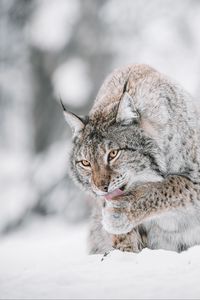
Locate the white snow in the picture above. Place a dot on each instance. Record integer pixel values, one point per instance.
(16, 193)
(47, 259)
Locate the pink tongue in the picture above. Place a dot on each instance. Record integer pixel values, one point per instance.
(115, 193)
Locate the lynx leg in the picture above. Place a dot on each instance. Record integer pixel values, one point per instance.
(133, 241)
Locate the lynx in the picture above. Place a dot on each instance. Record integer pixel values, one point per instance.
(138, 154)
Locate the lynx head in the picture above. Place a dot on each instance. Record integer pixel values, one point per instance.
(112, 152)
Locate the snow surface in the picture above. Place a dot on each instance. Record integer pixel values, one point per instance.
(47, 259)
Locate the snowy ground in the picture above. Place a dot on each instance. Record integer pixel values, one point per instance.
(48, 260)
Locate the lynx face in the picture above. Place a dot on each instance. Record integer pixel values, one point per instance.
(107, 161)
(111, 154)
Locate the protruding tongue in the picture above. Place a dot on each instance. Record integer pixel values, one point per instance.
(115, 193)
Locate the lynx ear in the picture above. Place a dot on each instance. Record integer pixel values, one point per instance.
(74, 121)
(127, 112)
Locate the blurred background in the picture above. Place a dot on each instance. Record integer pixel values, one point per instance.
(63, 48)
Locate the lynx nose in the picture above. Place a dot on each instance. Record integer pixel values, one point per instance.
(105, 188)
(101, 179)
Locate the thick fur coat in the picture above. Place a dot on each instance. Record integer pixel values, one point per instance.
(138, 154)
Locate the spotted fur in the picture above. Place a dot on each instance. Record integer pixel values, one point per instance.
(154, 124)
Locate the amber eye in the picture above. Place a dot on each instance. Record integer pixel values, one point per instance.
(85, 163)
(112, 154)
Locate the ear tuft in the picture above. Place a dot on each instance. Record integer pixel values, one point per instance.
(63, 107)
(74, 121)
(127, 112)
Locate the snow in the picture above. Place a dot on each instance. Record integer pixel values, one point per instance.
(15, 186)
(48, 259)
(54, 160)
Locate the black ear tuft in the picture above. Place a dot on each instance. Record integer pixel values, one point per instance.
(125, 86)
(75, 122)
(62, 105)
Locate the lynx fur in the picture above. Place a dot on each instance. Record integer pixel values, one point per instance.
(138, 154)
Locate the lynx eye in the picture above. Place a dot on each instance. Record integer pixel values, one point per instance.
(85, 163)
(112, 154)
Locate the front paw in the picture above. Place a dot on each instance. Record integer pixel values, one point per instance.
(130, 242)
(123, 213)
(115, 217)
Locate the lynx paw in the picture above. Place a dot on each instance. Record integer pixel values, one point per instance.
(130, 242)
(114, 220)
